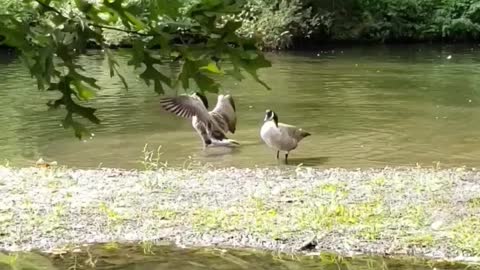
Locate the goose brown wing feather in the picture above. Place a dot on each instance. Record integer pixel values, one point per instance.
(186, 106)
(226, 108)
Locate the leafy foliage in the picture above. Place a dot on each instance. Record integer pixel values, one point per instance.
(398, 20)
(276, 22)
(50, 35)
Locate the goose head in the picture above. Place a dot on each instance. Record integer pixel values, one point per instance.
(271, 116)
(203, 98)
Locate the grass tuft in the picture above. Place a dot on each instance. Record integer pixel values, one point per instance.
(465, 234)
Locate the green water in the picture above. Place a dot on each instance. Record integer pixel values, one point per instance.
(365, 106)
(168, 257)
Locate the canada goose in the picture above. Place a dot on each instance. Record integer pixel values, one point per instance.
(210, 125)
(280, 136)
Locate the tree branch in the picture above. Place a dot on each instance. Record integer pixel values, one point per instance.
(119, 29)
(50, 8)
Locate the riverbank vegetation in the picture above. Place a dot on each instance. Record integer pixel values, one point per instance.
(292, 23)
(397, 20)
(282, 24)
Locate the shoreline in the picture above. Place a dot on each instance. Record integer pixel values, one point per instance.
(425, 213)
(313, 45)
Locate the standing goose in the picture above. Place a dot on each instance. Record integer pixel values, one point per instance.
(280, 136)
(212, 125)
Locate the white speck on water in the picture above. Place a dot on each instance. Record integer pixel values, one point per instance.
(449, 57)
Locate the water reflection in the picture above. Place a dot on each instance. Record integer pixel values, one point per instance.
(147, 257)
(365, 107)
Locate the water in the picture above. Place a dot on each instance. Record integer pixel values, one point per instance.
(146, 257)
(365, 106)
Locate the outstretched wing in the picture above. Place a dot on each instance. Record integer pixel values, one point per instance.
(226, 108)
(186, 106)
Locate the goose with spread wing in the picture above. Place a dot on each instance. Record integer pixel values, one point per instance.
(212, 125)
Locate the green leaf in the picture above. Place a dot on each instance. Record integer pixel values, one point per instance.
(235, 73)
(170, 8)
(206, 84)
(79, 129)
(231, 26)
(138, 54)
(251, 66)
(113, 64)
(161, 40)
(89, 80)
(136, 22)
(157, 86)
(85, 112)
(14, 33)
(212, 68)
(83, 5)
(58, 20)
(188, 69)
(152, 74)
(250, 55)
(124, 14)
(83, 92)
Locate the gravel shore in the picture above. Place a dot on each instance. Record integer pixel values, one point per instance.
(429, 213)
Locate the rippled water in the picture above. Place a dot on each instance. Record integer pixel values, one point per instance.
(147, 257)
(365, 106)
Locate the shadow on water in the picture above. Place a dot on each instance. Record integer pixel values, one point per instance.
(7, 56)
(146, 257)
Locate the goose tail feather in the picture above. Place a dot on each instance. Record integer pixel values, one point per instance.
(304, 133)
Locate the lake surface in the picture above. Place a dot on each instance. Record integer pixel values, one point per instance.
(365, 107)
(147, 257)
